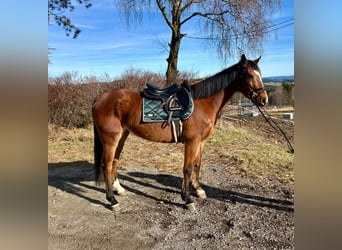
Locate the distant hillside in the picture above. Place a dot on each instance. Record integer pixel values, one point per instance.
(279, 79)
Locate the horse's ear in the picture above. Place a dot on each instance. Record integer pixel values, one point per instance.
(244, 60)
(257, 60)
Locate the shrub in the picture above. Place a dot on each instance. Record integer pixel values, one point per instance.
(70, 96)
(69, 105)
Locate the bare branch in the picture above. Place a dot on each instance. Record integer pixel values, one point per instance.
(189, 4)
(57, 8)
(206, 15)
(230, 26)
(162, 10)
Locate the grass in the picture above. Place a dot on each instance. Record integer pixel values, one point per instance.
(69, 145)
(236, 149)
(249, 155)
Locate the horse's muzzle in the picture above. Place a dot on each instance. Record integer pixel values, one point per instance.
(262, 98)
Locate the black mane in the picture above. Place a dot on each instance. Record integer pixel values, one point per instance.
(215, 83)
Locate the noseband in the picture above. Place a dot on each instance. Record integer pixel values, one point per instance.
(253, 94)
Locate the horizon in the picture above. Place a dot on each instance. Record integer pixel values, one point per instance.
(264, 78)
(107, 46)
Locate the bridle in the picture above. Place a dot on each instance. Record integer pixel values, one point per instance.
(253, 94)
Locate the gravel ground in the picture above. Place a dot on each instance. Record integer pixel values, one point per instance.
(239, 213)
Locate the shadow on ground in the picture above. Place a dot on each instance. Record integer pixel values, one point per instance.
(74, 177)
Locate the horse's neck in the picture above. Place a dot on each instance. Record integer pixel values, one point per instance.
(228, 93)
(217, 102)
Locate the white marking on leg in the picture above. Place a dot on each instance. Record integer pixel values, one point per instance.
(118, 188)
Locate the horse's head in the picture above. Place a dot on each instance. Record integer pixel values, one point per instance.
(252, 85)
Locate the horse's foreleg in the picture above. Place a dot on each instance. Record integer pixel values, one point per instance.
(116, 184)
(185, 194)
(192, 151)
(195, 177)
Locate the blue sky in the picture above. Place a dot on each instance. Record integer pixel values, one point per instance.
(107, 46)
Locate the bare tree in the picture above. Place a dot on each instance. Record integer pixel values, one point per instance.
(288, 89)
(230, 26)
(277, 97)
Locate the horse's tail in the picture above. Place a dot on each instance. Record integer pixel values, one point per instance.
(98, 152)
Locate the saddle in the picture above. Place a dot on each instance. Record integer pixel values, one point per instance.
(167, 104)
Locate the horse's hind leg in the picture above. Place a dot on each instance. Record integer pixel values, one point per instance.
(110, 144)
(116, 184)
(107, 167)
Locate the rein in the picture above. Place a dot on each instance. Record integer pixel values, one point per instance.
(253, 94)
(271, 121)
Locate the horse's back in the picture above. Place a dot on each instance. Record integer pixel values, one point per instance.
(115, 105)
(116, 100)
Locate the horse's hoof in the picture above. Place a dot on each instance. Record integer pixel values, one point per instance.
(190, 206)
(115, 207)
(122, 192)
(201, 194)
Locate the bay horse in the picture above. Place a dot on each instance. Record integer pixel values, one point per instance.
(119, 112)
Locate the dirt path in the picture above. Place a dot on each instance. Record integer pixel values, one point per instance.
(239, 213)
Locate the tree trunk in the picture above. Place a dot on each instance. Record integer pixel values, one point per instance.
(172, 60)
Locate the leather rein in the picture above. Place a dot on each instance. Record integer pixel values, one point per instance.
(253, 94)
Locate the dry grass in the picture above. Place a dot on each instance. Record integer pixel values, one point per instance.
(247, 154)
(69, 145)
(236, 149)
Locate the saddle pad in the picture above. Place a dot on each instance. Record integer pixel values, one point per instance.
(153, 111)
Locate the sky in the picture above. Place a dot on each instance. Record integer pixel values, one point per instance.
(106, 45)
